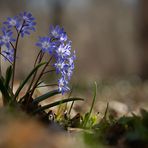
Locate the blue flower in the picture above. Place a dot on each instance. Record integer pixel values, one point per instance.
(25, 30)
(27, 23)
(63, 85)
(6, 38)
(12, 22)
(71, 60)
(46, 45)
(64, 67)
(8, 54)
(58, 46)
(60, 65)
(63, 51)
(69, 69)
(27, 17)
(24, 23)
(58, 33)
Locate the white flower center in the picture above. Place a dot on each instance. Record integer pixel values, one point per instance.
(61, 84)
(25, 18)
(45, 45)
(6, 39)
(59, 65)
(60, 51)
(55, 34)
(13, 22)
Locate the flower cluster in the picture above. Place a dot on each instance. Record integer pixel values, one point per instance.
(24, 23)
(56, 43)
(58, 46)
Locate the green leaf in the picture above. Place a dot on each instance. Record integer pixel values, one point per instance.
(8, 76)
(45, 96)
(26, 80)
(56, 103)
(5, 95)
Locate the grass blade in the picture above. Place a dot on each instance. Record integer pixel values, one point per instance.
(5, 95)
(8, 76)
(87, 116)
(56, 103)
(45, 96)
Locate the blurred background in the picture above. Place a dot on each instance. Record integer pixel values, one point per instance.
(110, 38)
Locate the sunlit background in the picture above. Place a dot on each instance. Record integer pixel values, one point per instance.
(110, 38)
